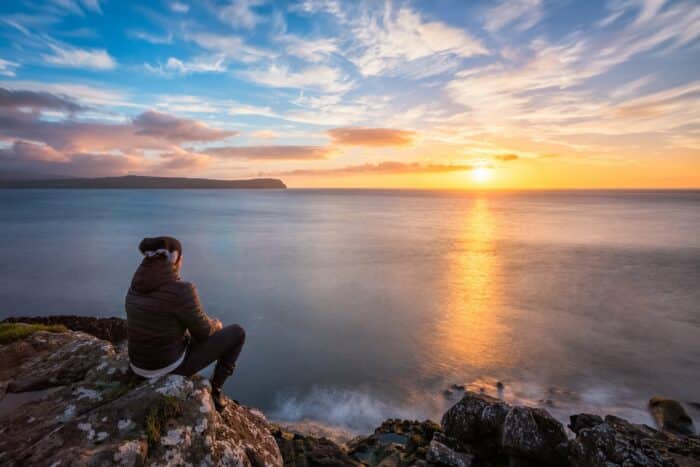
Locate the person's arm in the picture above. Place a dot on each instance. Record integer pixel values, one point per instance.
(193, 316)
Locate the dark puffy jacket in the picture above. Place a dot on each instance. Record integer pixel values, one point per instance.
(160, 309)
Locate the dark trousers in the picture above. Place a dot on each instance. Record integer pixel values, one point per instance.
(222, 347)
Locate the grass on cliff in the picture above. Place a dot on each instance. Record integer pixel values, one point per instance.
(10, 332)
(159, 413)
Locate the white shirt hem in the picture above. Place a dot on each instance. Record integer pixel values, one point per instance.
(150, 374)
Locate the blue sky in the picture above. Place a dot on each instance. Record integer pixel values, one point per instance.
(341, 93)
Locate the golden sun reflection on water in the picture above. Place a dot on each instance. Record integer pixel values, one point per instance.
(471, 333)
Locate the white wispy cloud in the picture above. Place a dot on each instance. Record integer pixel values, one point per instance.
(232, 46)
(389, 39)
(7, 67)
(197, 65)
(631, 88)
(312, 50)
(77, 7)
(321, 77)
(150, 37)
(237, 108)
(520, 89)
(73, 57)
(186, 103)
(519, 14)
(240, 13)
(179, 7)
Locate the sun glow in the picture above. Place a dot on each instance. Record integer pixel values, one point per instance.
(481, 174)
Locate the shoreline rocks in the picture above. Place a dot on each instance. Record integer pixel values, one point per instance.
(70, 397)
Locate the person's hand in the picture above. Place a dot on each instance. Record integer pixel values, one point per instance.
(218, 325)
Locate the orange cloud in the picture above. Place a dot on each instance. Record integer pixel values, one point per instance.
(271, 152)
(506, 157)
(387, 168)
(355, 136)
(181, 160)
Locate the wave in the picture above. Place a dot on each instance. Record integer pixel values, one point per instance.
(361, 410)
(358, 410)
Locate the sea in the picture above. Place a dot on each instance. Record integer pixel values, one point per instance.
(361, 305)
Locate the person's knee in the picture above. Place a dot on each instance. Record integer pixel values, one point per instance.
(236, 333)
(239, 332)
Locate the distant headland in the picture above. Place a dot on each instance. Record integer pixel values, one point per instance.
(143, 182)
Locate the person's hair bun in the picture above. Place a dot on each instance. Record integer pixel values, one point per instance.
(161, 243)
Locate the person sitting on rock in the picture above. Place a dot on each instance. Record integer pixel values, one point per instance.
(168, 331)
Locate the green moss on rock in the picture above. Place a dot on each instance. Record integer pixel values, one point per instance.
(10, 332)
(164, 409)
(122, 385)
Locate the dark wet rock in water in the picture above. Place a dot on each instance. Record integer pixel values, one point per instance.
(440, 453)
(533, 434)
(299, 450)
(584, 420)
(497, 434)
(109, 329)
(395, 442)
(613, 441)
(98, 413)
(669, 415)
(477, 419)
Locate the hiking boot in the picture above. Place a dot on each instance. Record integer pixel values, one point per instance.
(218, 398)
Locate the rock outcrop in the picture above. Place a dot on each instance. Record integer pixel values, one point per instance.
(494, 432)
(487, 432)
(87, 408)
(109, 329)
(612, 441)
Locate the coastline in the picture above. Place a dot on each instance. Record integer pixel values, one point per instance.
(477, 429)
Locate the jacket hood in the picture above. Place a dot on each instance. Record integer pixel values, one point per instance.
(153, 273)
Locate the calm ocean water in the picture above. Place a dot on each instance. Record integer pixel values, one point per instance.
(360, 305)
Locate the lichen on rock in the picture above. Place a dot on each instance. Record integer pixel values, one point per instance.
(98, 413)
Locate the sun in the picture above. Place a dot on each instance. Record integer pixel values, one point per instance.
(481, 174)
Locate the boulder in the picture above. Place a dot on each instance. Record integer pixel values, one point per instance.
(533, 434)
(613, 441)
(477, 421)
(498, 433)
(669, 415)
(93, 411)
(584, 420)
(440, 453)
